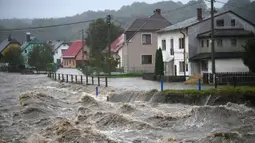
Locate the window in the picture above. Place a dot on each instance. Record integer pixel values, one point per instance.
(146, 39)
(207, 43)
(204, 65)
(233, 42)
(69, 62)
(172, 47)
(181, 64)
(181, 43)
(233, 22)
(63, 50)
(202, 43)
(163, 45)
(219, 42)
(187, 67)
(220, 22)
(146, 59)
(25, 51)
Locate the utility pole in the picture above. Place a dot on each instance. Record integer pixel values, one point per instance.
(212, 39)
(83, 47)
(109, 43)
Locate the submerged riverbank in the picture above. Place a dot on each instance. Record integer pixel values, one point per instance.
(35, 109)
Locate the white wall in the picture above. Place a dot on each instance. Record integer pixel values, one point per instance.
(178, 53)
(228, 65)
(58, 52)
(121, 58)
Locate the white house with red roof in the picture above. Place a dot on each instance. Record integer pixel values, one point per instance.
(73, 56)
(116, 49)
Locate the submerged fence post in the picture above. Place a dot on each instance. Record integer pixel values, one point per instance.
(63, 79)
(107, 98)
(199, 84)
(92, 80)
(58, 76)
(67, 78)
(234, 80)
(55, 76)
(81, 79)
(216, 82)
(96, 91)
(162, 84)
(71, 78)
(87, 79)
(106, 82)
(98, 81)
(76, 79)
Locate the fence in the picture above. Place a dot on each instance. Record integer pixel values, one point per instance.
(233, 78)
(79, 79)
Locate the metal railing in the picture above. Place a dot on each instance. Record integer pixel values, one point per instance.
(79, 79)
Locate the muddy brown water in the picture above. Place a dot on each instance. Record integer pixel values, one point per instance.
(35, 109)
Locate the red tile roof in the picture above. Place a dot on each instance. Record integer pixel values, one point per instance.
(117, 44)
(73, 49)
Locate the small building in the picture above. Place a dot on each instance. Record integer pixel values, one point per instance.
(194, 34)
(73, 56)
(28, 46)
(58, 48)
(8, 43)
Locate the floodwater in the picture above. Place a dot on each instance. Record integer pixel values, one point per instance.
(35, 109)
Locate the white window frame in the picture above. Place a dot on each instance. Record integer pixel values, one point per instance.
(141, 60)
(162, 45)
(142, 38)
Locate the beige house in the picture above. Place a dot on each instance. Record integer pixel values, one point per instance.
(139, 49)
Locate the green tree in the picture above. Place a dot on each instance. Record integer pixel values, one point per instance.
(40, 57)
(159, 64)
(248, 54)
(97, 35)
(13, 56)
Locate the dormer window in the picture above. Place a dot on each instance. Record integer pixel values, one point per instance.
(220, 22)
(233, 22)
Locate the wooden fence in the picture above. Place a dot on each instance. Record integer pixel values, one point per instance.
(79, 79)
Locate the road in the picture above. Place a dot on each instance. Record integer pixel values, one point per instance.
(136, 84)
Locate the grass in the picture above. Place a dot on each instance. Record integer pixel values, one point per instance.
(221, 90)
(127, 75)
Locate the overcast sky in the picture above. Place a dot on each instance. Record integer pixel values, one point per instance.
(60, 8)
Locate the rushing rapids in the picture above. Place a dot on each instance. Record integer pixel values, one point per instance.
(34, 109)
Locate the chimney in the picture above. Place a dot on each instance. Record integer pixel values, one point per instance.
(199, 14)
(28, 36)
(158, 11)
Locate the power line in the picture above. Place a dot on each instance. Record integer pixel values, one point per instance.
(232, 5)
(48, 26)
(151, 19)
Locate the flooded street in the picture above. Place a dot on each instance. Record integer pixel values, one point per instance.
(35, 109)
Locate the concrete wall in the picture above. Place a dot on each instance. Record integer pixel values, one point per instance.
(58, 53)
(178, 53)
(228, 65)
(133, 51)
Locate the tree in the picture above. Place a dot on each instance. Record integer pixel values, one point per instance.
(159, 64)
(12, 55)
(97, 35)
(248, 54)
(40, 57)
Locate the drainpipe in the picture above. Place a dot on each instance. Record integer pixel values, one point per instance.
(184, 53)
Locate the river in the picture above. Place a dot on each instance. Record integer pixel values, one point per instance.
(35, 109)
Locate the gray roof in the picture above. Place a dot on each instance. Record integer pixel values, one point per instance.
(33, 41)
(6, 42)
(191, 21)
(153, 23)
(57, 44)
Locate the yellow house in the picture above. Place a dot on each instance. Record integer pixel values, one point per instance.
(7, 44)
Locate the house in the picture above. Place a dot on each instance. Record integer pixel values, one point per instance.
(73, 56)
(7, 44)
(58, 48)
(138, 52)
(116, 49)
(231, 32)
(28, 46)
